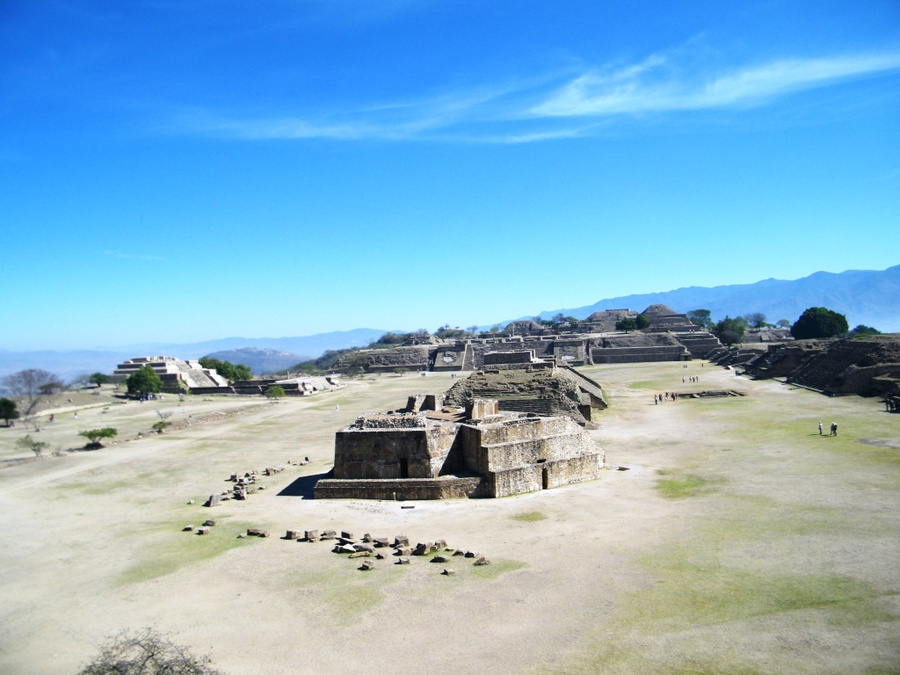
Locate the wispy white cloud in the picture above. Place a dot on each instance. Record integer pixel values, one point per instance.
(544, 109)
(659, 85)
(121, 255)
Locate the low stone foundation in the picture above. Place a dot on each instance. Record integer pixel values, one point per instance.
(445, 487)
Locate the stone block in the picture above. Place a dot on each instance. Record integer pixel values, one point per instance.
(401, 540)
(329, 534)
(367, 565)
(213, 500)
(481, 561)
(292, 534)
(311, 535)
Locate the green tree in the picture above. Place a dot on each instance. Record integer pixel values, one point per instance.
(97, 435)
(144, 381)
(626, 325)
(99, 378)
(37, 447)
(819, 322)
(700, 317)
(862, 330)
(8, 410)
(233, 372)
(641, 321)
(160, 426)
(275, 391)
(783, 323)
(730, 331)
(756, 319)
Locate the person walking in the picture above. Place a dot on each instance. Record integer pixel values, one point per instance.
(820, 428)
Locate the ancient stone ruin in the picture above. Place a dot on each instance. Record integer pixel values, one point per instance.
(176, 375)
(429, 451)
(544, 391)
(668, 337)
(867, 366)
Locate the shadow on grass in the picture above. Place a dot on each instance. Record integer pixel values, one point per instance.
(303, 486)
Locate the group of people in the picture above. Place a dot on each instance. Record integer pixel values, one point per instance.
(668, 396)
(832, 429)
(692, 378)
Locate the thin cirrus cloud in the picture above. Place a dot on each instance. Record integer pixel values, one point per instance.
(656, 85)
(538, 110)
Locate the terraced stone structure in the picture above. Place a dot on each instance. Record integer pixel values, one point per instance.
(427, 451)
(867, 366)
(176, 375)
(669, 337)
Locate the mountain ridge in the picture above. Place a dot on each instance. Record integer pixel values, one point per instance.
(864, 296)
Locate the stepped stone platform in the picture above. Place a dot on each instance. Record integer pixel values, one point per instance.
(176, 375)
(478, 451)
(867, 366)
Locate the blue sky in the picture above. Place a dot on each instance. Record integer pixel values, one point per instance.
(180, 171)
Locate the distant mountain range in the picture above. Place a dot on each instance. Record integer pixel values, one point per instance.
(70, 364)
(261, 361)
(864, 297)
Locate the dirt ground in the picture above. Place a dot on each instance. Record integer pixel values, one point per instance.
(738, 540)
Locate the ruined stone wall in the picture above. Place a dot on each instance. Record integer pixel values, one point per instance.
(411, 358)
(401, 490)
(493, 358)
(541, 348)
(848, 366)
(490, 448)
(570, 352)
(574, 469)
(700, 343)
(517, 480)
(383, 453)
(639, 354)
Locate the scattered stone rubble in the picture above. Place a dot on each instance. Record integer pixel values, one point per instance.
(245, 484)
(435, 551)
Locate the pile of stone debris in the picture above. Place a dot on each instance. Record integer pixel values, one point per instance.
(380, 547)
